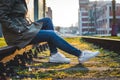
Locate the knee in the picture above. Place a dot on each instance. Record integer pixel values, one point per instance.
(47, 19)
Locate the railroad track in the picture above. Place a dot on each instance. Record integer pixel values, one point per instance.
(108, 44)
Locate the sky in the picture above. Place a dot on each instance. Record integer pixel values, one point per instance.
(65, 12)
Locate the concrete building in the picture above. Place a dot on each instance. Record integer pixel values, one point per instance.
(104, 17)
(36, 9)
(95, 17)
(83, 18)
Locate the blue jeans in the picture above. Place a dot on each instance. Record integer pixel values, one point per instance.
(47, 34)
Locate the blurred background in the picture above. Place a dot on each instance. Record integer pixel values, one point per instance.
(78, 17)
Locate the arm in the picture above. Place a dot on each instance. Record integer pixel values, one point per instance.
(5, 9)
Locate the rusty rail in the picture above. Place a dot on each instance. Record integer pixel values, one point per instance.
(109, 44)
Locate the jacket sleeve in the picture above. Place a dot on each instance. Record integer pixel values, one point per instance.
(5, 9)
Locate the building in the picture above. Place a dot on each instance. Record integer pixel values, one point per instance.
(104, 17)
(83, 18)
(95, 17)
(69, 30)
(36, 9)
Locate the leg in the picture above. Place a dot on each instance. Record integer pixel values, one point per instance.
(47, 24)
(53, 39)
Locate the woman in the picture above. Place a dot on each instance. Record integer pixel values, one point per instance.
(18, 31)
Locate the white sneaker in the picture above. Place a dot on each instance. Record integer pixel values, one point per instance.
(59, 58)
(86, 55)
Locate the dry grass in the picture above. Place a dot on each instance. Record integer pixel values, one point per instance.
(50, 71)
(2, 42)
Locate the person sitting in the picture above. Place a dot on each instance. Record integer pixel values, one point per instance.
(19, 31)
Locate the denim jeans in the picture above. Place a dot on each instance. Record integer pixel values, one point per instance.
(47, 34)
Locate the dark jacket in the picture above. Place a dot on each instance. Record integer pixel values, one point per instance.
(17, 30)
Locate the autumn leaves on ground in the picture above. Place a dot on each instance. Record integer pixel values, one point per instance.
(105, 65)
